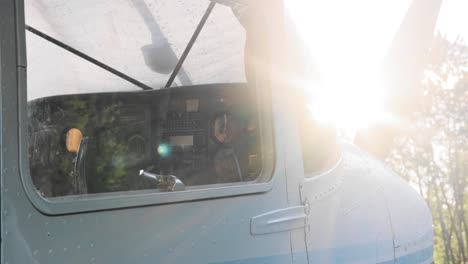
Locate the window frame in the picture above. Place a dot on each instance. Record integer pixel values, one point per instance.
(118, 200)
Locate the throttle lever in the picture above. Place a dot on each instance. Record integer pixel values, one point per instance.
(171, 182)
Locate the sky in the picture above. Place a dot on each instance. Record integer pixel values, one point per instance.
(348, 40)
(453, 20)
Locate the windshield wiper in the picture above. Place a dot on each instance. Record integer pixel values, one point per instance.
(190, 44)
(88, 58)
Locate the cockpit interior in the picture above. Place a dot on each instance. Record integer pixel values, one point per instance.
(109, 142)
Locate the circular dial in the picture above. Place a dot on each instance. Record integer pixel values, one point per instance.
(136, 149)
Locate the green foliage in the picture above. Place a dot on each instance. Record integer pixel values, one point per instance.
(433, 156)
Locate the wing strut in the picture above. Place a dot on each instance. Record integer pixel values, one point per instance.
(190, 44)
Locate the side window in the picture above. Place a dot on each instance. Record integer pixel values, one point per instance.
(318, 141)
(101, 118)
(319, 144)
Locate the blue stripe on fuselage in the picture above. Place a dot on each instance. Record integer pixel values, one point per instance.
(416, 257)
(342, 256)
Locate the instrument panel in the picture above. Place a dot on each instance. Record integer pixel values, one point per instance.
(201, 134)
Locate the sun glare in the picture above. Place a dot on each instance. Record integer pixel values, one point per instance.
(348, 107)
(348, 40)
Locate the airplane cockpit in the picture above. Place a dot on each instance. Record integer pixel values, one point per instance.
(202, 135)
(175, 114)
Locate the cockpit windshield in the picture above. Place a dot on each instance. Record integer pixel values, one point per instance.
(141, 39)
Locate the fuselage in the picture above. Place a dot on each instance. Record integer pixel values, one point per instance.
(258, 205)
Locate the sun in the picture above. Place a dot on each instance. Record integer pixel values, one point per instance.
(348, 105)
(348, 40)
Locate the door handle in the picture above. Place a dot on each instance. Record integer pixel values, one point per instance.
(286, 219)
(279, 220)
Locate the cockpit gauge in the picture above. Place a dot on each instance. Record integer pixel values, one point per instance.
(136, 148)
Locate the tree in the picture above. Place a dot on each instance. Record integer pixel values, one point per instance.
(433, 156)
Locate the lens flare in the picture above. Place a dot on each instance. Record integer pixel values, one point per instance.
(348, 44)
(164, 150)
